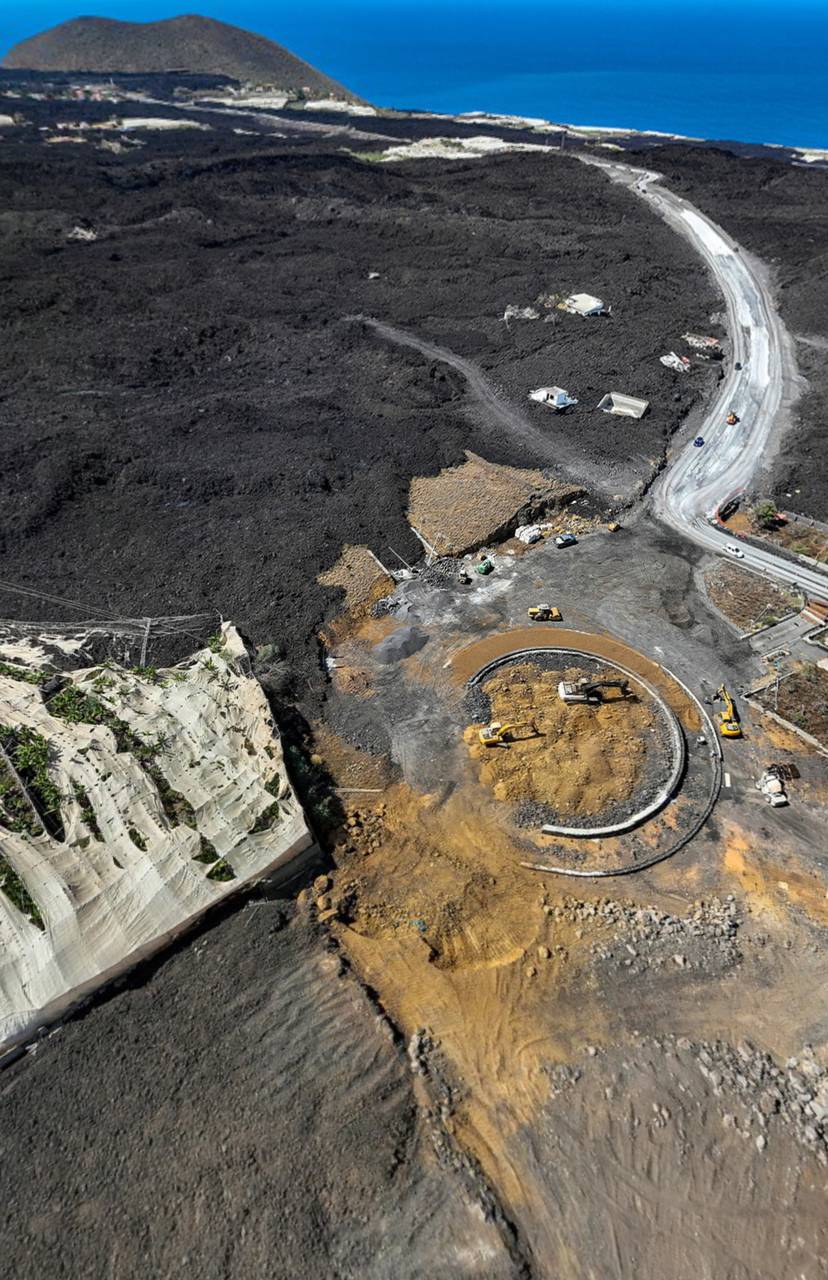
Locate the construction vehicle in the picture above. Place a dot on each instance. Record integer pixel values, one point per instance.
(729, 726)
(613, 526)
(543, 613)
(486, 565)
(586, 690)
(500, 735)
(731, 419)
(771, 786)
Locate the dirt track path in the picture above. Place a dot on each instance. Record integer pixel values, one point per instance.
(501, 415)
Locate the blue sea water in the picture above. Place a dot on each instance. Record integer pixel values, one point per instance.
(751, 70)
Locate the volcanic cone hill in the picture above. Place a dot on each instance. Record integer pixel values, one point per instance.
(187, 43)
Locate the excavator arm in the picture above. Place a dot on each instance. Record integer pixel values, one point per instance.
(584, 690)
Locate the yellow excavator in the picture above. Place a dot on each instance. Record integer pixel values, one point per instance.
(543, 613)
(729, 726)
(500, 735)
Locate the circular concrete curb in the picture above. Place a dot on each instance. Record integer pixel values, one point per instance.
(676, 736)
(715, 759)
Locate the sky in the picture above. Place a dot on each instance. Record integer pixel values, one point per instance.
(756, 65)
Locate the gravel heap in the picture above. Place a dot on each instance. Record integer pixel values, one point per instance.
(761, 1093)
(644, 937)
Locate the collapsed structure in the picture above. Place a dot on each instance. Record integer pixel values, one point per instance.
(671, 360)
(553, 397)
(623, 406)
(130, 803)
(585, 304)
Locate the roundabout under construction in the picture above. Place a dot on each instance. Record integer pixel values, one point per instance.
(587, 757)
(601, 758)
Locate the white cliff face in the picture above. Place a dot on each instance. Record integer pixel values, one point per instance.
(126, 876)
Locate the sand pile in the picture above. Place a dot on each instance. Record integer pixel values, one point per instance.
(579, 759)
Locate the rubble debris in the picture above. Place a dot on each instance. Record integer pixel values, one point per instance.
(555, 398)
(772, 787)
(707, 346)
(622, 405)
(706, 938)
(681, 364)
(528, 533)
(513, 312)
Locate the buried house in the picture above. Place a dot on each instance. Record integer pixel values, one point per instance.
(585, 304)
(623, 406)
(553, 397)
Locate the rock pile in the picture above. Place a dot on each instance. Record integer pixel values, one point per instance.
(363, 832)
(795, 1094)
(645, 937)
(755, 1093)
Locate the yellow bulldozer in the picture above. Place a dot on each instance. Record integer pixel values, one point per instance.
(500, 735)
(543, 613)
(728, 718)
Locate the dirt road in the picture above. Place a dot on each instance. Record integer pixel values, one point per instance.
(500, 414)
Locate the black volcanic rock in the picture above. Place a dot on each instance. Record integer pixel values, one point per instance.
(187, 43)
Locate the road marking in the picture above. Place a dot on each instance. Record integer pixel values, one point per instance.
(727, 780)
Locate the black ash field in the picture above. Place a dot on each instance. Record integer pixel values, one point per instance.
(191, 418)
(195, 413)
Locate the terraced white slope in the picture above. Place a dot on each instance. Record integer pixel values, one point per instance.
(105, 900)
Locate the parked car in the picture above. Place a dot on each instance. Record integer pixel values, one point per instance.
(565, 540)
(733, 550)
(698, 442)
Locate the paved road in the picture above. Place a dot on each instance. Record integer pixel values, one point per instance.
(700, 480)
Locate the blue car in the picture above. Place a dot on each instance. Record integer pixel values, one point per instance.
(698, 442)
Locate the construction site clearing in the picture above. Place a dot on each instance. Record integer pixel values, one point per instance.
(575, 762)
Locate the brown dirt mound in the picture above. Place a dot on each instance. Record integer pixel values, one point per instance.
(360, 577)
(579, 758)
(466, 506)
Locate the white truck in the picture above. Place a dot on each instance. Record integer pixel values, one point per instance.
(772, 788)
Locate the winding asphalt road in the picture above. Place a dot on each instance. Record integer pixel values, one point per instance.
(699, 481)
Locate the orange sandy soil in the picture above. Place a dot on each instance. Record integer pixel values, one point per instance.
(430, 906)
(578, 758)
(470, 659)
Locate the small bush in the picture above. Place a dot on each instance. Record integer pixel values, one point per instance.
(87, 812)
(207, 852)
(26, 674)
(17, 893)
(221, 870)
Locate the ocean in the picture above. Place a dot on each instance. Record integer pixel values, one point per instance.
(748, 70)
